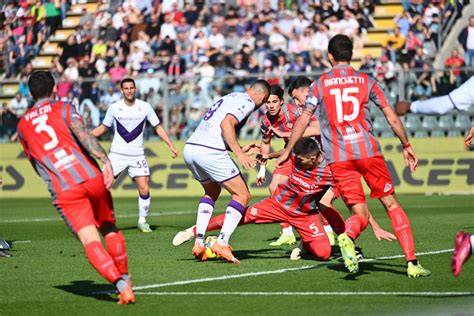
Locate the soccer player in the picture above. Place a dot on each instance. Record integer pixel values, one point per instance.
(463, 248)
(129, 116)
(206, 156)
(280, 118)
(460, 99)
(59, 147)
(294, 202)
(340, 98)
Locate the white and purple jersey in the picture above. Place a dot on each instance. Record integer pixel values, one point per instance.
(209, 132)
(129, 123)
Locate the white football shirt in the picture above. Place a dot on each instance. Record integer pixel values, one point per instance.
(129, 123)
(209, 132)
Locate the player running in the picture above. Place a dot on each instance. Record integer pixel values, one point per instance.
(294, 202)
(129, 116)
(463, 248)
(205, 154)
(340, 98)
(60, 148)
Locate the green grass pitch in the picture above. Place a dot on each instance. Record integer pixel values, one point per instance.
(49, 274)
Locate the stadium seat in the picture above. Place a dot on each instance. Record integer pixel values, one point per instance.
(420, 134)
(446, 122)
(412, 122)
(429, 123)
(380, 124)
(437, 133)
(462, 122)
(454, 133)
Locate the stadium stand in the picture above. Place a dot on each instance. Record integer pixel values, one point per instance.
(185, 54)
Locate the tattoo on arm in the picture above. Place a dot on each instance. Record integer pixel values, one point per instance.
(89, 142)
(309, 109)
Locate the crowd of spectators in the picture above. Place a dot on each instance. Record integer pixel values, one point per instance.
(189, 53)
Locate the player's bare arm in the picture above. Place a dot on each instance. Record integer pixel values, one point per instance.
(469, 136)
(160, 131)
(296, 133)
(228, 125)
(396, 124)
(92, 145)
(251, 149)
(99, 130)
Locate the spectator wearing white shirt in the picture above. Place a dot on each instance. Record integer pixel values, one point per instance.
(18, 105)
(72, 70)
(300, 24)
(167, 28)
(348, 25)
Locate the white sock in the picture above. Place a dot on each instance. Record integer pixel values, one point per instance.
(233, 214)
(143, 207)
(328, 229)
(472, 243)
(288, 231)
(204, 214)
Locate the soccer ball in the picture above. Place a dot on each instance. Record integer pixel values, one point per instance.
(210, 240)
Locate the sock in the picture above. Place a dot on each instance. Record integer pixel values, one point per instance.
(143, 207)
(117, 250)
(334, 218)
(355, 225)
(233, 214)
(286, 229)
(102, 261)
(472, 243)
(402, 228)
(204, 214)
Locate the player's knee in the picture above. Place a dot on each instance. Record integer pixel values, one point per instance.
(322, 251)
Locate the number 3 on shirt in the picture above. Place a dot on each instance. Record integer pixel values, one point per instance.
(344, 96)
(41, 126)
(213, 110)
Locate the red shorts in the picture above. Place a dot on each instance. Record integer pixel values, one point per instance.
(347, 174)
(88, 203)
(285, 169)
(269, 211)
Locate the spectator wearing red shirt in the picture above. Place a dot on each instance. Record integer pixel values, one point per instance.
(455, 62)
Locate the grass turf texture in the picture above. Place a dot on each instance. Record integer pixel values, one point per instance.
(50, 274)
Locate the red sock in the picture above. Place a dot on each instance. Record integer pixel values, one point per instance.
(101, 261)
(355, 225)
(117, 250)
(334, 218)
(321, 249)
(401, 226)
(324, 220)
(284, 225)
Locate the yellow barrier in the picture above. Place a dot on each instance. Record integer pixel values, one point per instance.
(445, 167)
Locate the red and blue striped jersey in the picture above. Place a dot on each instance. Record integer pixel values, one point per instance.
(341, 98)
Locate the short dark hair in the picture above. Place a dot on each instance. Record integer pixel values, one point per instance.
(306, 147)
(41, 84)
(340, 47)
(300, 82)
(277, 90)
(261, 85)
(125, 80)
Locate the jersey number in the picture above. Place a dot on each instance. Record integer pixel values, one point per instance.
(213, 109)
(344, 96)
(41, 126)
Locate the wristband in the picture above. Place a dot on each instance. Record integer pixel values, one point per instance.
(406, 146)
(261, 172)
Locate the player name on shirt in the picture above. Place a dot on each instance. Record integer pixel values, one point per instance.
(344, 80)
(35, 113)
(304, 186)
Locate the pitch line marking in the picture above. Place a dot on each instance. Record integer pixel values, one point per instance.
(253, 274)
(424, 294)
(56, 219)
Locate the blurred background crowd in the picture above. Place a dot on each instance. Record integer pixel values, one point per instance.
(186, 54)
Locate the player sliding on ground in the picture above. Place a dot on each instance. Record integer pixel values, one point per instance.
(294, 202)
(340, 98)
(206, 156)
(59, 147)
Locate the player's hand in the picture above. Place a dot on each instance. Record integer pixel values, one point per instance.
(279, 133)
(382, 234)
(468, 139)
(247, 162)
(410, 158)
(251, 149)
(283, 157)
(108, 174)
(174, 151)
(261, 176)
(402, 107)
